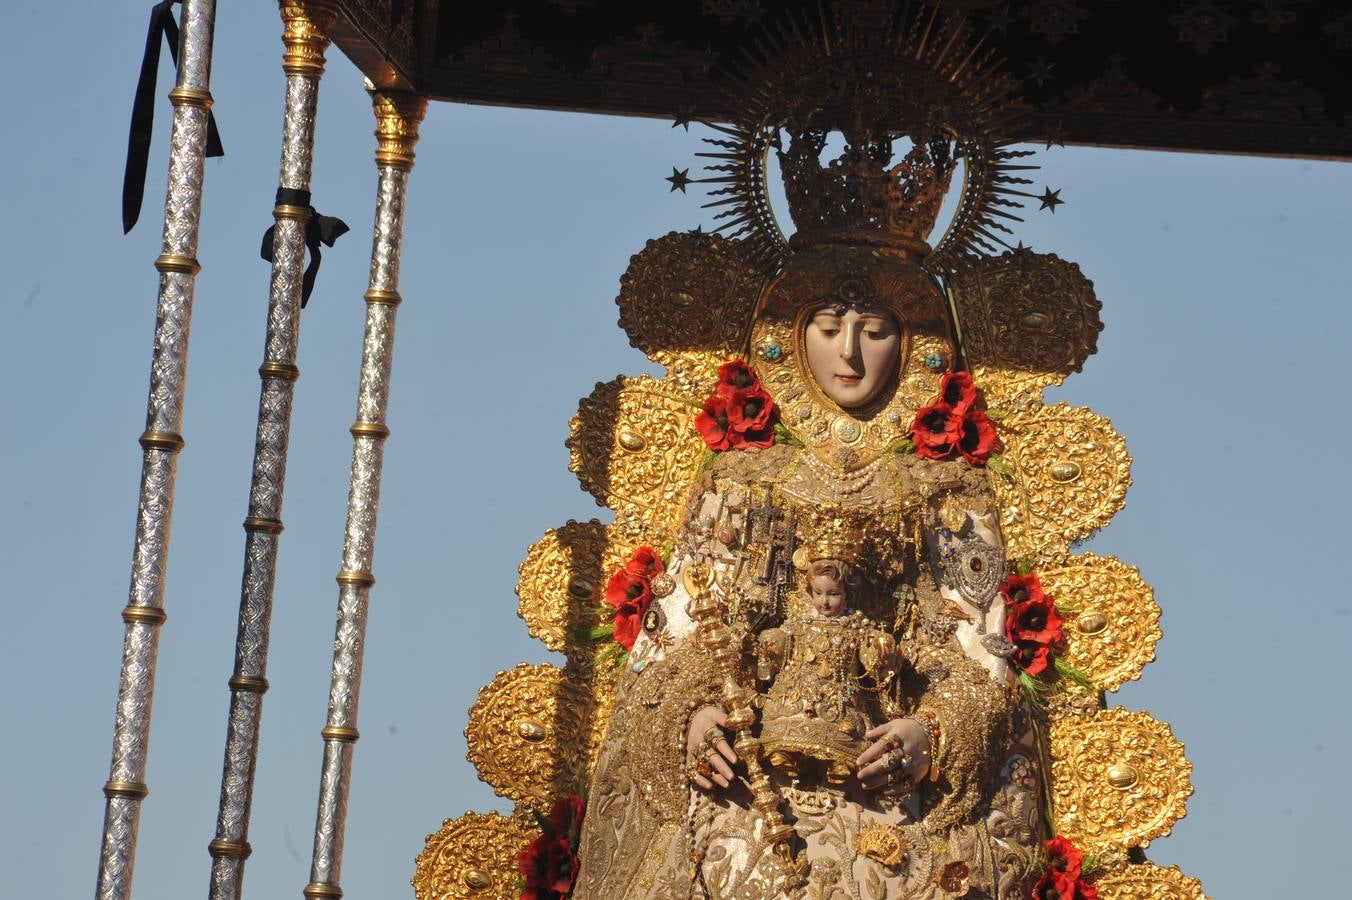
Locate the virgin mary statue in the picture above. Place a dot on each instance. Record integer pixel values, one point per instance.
(819, 653)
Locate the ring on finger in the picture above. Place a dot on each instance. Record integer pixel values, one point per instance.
(893, 742)
(893, 760)
(712, 735)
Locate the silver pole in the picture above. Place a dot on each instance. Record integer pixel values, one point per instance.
(304, 27)
(161, 441)
(397, 119)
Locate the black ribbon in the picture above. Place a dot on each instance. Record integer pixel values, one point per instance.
(319, 229)
(143, 113)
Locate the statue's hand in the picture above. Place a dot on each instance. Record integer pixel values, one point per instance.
(898, 758)
(707, 750)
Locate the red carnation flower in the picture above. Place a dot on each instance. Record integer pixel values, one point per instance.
(1034, 621)
(750, 410)
(645, 563)
(1063, 857)
(1055, 885)
(1031, 657)
(978, 439)
(628, 624)
(958, 392)
(1019, 588)
(566, 816)
(548, 866)
(713, 425)
(740, 413)
(936, 431)
(735, 376)
(627, 589)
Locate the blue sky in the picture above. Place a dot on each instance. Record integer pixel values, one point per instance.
(1223, 363)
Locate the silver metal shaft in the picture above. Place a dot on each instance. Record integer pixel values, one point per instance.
(304, 27)
(397, 119)
(161, 441)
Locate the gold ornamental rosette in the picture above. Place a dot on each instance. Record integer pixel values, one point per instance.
(690, 301)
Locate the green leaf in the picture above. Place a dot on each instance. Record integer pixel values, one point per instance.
(706, 461)
(997, 415)
(996, 463)
(903, 446)
(1070, 673)
(1035, 689)
(1024, 566)
(602, 631)
(784, 436)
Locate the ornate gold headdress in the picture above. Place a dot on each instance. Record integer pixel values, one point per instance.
(881, 80)
(908, 97)
(832, 534)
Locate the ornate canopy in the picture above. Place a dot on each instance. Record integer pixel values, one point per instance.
(1200, 75)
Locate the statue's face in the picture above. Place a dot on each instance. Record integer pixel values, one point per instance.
(828, 595)
(852, 352)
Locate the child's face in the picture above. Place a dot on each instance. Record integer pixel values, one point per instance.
(828, 595)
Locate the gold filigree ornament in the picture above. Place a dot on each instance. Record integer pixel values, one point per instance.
(472, 858)
(883, 843)
(634, 446)
(533, 730)
(1070, 471)
(562, 581)
(686, 301)
(1112, 622)
(1028, 320)
(1147, 881)
(1119, 779)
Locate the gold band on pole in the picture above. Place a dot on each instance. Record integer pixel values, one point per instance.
(144, 611)
(305, 24)
(397, 119)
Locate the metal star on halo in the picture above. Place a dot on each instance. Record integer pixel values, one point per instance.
(1000, 18)
(1056, 137)
(679, 178)
(1051, 199)
(683, 118)
(1040, 70)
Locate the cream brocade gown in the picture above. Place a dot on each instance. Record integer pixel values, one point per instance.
(649, 834)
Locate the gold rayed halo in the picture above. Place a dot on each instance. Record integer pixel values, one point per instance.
(959, 98)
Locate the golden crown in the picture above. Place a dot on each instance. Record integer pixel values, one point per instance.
(863, 195)
(831, 535)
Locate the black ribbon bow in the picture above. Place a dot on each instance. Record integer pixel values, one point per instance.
(143, 113)
(319, 229)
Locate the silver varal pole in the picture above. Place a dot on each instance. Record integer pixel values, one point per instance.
(397, 118)
(144, 614)
(304, 27)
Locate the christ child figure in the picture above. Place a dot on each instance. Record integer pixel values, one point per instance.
(824, 667)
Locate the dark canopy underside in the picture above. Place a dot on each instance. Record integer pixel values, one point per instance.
(1245, 76)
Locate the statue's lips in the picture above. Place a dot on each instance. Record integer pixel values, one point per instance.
(849, 379)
